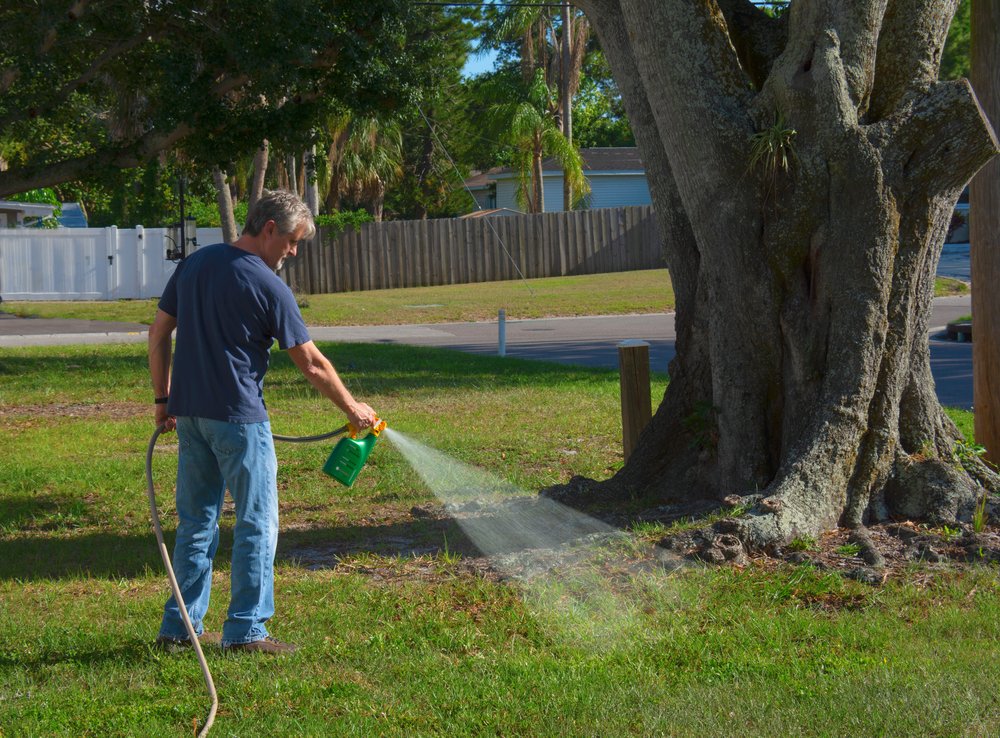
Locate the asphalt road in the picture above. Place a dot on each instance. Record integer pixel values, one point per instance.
(588, 341)
(955, 262)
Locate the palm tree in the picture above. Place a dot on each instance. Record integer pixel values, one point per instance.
(364, 158)
(337, 131)
(557, 52)
(533, 134)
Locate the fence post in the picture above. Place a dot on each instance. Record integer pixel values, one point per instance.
(633, 366)
(111, 286)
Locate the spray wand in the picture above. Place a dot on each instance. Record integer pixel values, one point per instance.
(344, 464)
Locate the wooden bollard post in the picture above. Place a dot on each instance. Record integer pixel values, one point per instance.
(633, 365)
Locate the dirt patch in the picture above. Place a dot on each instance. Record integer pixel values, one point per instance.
(871, 556)
(429, 543)
(109, 410)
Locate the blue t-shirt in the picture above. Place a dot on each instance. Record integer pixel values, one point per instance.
(229, 307)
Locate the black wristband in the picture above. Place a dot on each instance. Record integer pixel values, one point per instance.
(160, 400)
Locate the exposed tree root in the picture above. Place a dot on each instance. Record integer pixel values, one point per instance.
(869, 553)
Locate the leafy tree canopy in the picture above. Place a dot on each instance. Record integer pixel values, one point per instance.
(598, 112)
(956, 59)
(110, 84)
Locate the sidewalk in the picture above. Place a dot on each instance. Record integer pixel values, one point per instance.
(587, 341)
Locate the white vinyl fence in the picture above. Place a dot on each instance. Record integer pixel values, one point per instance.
(87, 263)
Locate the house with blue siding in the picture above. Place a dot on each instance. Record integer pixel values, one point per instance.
(616, 175)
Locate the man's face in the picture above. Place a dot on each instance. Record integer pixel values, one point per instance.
(278, 246)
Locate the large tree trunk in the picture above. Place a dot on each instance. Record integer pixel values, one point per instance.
(805, 169)
(985, 235)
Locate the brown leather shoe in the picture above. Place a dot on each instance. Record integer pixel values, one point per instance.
(268, 645)
(171, 645)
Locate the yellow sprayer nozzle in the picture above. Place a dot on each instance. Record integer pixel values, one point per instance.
(377, 428)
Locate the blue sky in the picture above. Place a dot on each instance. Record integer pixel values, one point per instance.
(479, 63)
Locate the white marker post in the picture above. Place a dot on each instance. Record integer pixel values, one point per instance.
(502, 335)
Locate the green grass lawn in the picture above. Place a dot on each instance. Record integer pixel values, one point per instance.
(401, 634)
(647, 291)
(621, 293)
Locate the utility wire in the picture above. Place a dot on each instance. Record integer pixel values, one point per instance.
(478, 206)
(485, 4)
(488, 4)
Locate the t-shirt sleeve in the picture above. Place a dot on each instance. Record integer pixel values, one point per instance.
(168, 300)
(288, 329)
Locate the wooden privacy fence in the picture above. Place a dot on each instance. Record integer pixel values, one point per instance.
(419, 253)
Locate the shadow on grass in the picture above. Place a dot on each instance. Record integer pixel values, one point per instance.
(510, 528)
(43, 511)
(101, 555)
(116, 556)
(131, 652)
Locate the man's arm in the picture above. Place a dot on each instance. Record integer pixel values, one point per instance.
(321, 375)
(160, 349)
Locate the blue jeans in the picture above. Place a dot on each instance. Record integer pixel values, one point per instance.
(215, 455)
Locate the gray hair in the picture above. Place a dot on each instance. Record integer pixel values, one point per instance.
(285, 208)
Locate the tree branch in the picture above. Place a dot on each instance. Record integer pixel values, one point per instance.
(62, 95)
(909, 51)
(606, 18)
(944, 138)
(829, 44)
(858, 23)
(131, 155)
(697, 90)
(690, 370)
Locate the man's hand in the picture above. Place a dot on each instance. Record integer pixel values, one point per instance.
(169, 422)
(361, 416)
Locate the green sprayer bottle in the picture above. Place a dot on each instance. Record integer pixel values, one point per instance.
(351, 453)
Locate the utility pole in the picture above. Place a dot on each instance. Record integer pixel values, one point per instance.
(984, 235)
(567, 102)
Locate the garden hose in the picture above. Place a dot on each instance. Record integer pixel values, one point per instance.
(209, 684)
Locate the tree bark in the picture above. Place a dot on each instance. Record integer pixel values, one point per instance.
(293, 179)
(225, 202)
(377, 199)
(984, 236)
(806, 187)
(311, 189)
(259, 172)
(537, 178)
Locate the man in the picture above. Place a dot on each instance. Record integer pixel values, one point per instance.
(228, 306)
